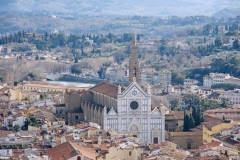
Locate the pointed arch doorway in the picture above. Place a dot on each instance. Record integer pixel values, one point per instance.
(135, 131)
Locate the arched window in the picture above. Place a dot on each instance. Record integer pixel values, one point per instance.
(78, 158)
(76, 117)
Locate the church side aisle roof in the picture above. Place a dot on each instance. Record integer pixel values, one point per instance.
(107, 89)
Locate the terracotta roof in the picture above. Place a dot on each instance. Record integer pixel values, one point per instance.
(104, 148)
(4, 89)
(5, 133)
(86, 152)
(170, 117)
(231, 110)
(62, 151)
(107, 89)
(229, 140)
(93, 128)
(45, 85)
(68, 150)
(234, 117)
(210, 119)
(210, 145)
(180, 114)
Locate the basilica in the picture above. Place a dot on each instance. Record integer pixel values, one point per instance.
(126, 110)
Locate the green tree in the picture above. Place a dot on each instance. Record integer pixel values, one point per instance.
(36, 58)
(223, 118)
(186, 123)
(199, 117)
(225, 102)
(42, 58)
(216, 29)
(16, 83)
(226, 27)
(42, 96)
(174, 104)
(192, 100)
(31, 75)
(33, 121)
(138, 37)
(26, 99)
(218, 42)
(194, 113)
(16, 128)
(236, 44)
(75, 60)
(191, 122)
(76, 69)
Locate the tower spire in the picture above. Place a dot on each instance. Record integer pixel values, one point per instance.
(134, 68)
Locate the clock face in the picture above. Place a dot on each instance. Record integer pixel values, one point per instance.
(134, 105)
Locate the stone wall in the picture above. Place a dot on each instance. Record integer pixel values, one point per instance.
(185, 140)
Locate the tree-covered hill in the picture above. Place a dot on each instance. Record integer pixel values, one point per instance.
(119, 7)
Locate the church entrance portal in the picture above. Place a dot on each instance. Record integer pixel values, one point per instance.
(155, 140)
(134, 131)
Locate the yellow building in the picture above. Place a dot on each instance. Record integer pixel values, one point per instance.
(42, 87)
(213, 126)
(28, 111)
(15, 94)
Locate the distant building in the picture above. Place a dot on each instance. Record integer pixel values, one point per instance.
(165, 77)
(7, 76)
(128, 111)
(218, 78)
(190, 82)
(7, 50)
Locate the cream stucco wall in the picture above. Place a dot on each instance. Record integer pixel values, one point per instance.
(208, 132)
(126, 154)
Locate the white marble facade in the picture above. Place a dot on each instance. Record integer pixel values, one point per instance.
(135, 116)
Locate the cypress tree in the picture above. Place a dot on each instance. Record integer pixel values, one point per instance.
(198, 117)
(194, 113)
(186, 123)
(191, 122)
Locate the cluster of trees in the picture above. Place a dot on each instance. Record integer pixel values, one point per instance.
(194, 100)
(206, 50)
(52, 40)
(176, 78)
(229, 65)
(232, 27)
(164, 49)
(18, 37)
(198, 73)
(76, 69)
(192, 120)
(175, 20)
(29, 122)
(210, 29)
(198, 106)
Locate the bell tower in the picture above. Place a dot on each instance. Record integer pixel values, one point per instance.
(134, 68)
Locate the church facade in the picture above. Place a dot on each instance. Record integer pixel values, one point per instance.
(128, 111)
(135, 116)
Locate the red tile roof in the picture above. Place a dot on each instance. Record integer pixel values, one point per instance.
(68, 150)
(107, 89)
(210, 145)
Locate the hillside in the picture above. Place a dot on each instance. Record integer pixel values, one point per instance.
(119, 7)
